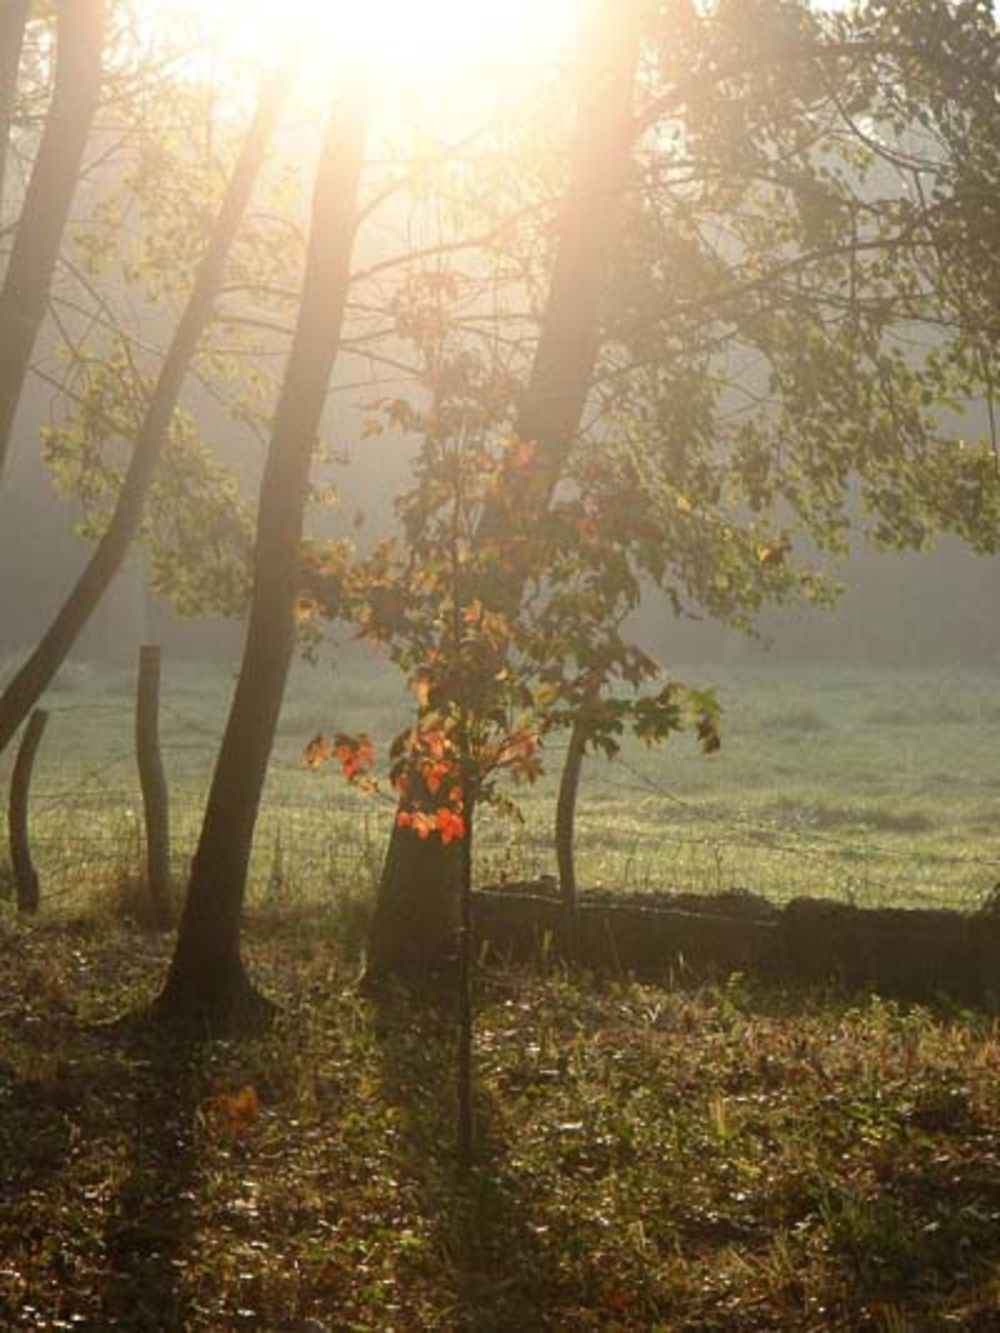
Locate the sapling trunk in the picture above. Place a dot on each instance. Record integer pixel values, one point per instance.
(466, 1015)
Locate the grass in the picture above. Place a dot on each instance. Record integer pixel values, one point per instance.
(871, 787)
(651, 1158)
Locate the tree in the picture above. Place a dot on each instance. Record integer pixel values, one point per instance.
(489, 684)
(754, 360)
(416, 911)
(29, 683)
(53, 182)
(207, 988)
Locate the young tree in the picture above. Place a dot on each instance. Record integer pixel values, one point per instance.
(490, 683)
(207, 988)
(29, 683)
(51, 187)
(781, 327)
(415, 919)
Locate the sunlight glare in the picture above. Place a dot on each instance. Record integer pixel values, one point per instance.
(409, 41)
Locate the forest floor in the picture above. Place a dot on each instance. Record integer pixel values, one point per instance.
(722, 1158)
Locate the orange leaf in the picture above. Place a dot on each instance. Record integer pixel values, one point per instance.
(421, 824)
(317, 751)
(450, 825)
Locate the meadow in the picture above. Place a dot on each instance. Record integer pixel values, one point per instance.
(870, 787)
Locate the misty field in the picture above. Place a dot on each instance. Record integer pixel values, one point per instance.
(873, 787)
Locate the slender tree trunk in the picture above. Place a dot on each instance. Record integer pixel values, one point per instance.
(27, 686)
(25, 875)
(207, 987)
(569, 786)
(153, 782)
(53, 182)
(566, 802)
(13, 21)
(413, 927)
(466, 1012)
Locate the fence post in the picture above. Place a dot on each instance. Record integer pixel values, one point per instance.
(25, 875)
(154, 784)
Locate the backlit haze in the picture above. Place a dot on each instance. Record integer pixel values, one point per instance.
(437, 45)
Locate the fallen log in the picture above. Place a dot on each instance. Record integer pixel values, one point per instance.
(916, 954)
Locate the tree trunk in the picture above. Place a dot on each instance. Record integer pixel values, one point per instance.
(207, 988)
(13, 21)
(54, 177)
(25, 875)
(153, 782)
(30, 682)
(413, 928)
(569, 788)
(466, 1010)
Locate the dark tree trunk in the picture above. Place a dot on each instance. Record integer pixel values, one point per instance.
(26, 688)
(466, 1011)
(13, 21)
(207, 988)
(569, 787)
(413, 928)
(25, 875)
(54, 177)
(153, 781)
(566, 803)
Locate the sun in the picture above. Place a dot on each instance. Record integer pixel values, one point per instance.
(413, 43)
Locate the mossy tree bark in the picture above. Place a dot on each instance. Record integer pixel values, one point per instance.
(51, 187)
(207, 988)
(417, 910)
(27, 686)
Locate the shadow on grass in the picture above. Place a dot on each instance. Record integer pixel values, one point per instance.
(150, 1218)
(502, 1277)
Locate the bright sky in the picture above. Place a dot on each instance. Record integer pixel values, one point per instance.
(417, 42)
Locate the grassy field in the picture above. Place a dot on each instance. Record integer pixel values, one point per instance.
(865, 786)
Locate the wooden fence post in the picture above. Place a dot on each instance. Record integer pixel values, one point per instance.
(25, 875)
(154, 784)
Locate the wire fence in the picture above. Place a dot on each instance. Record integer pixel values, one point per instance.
(317, 837)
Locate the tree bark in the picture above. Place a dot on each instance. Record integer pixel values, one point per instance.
(466, 1010)
(25, 875)
(51, 187)
(207, 988)
(13, 22)
(27, 686)
(153, 782)
(414, 924)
